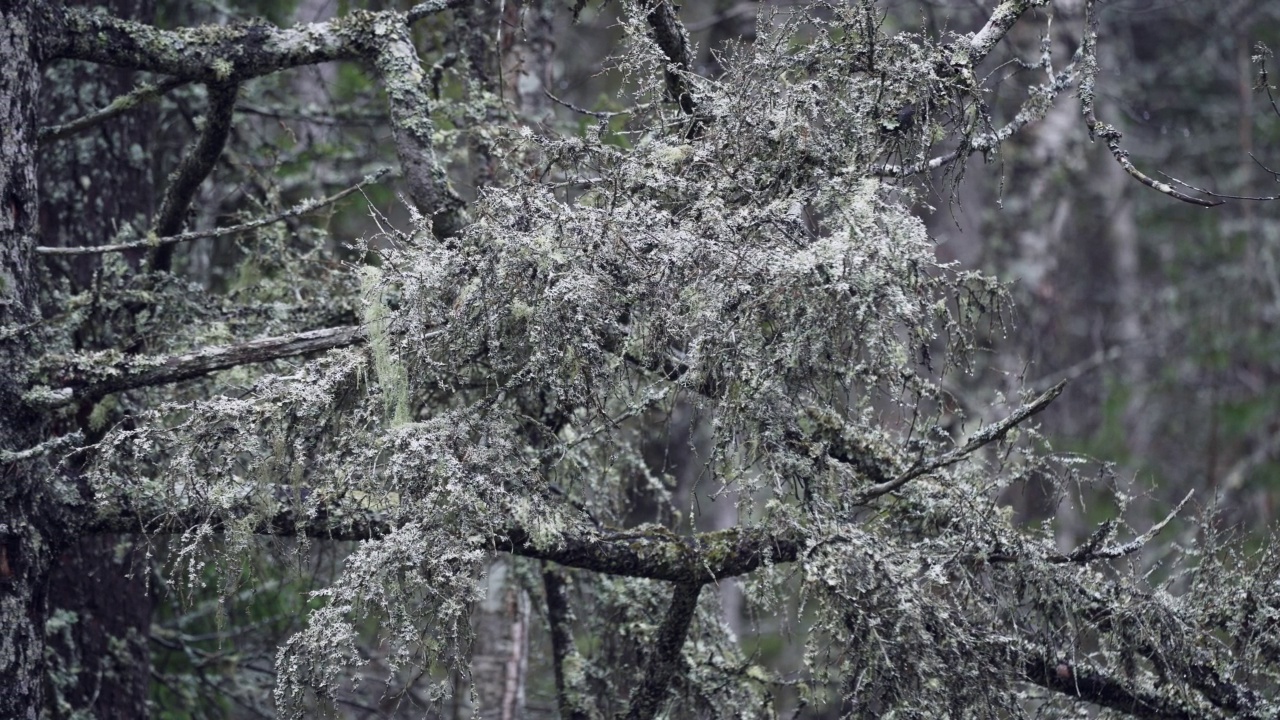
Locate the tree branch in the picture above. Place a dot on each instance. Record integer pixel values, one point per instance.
(195, 167)
(1094, 686)
(985, 436)
(122, 104)
(302, 208)
(1108, 133)
(80, 385)
(664, 659)
(563, 650)
(1033, 109)
(408, 94)
(998, 25)
(214, 54)
(689, 560)
(671, 37)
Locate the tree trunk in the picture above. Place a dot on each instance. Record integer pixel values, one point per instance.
(27, 545)
(96, 184)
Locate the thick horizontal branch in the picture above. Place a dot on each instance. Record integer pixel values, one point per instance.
(655, 555)
(214, 54)
(79, 385)
(1099, 688)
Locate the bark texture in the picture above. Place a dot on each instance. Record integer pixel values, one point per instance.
(26, 545)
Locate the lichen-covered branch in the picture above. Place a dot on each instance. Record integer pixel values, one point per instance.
(1033, 110)
(672, 38)
(983, 437)
(120, 105)
(1108, 133)
(997, 26)
(1101, 688)
(91, 378)
(213, 54)
(408, 94)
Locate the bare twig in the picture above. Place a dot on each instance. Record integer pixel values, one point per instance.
(122, 104)
(1210, 193)
(303, 208)
(597, 114)
(983, 437)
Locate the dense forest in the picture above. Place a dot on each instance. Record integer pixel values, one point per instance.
(617, 358)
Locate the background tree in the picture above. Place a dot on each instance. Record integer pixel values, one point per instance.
(725, 268)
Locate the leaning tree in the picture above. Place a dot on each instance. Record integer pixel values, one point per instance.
(733, 256)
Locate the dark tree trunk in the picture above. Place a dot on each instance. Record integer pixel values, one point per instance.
(27, 516)
(97, 184)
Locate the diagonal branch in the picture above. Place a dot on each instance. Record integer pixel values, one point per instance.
(983, 437)
(302, 208)
(193, 169)
(1002, 19)
(1093, 549)
(664, 659)
(137, 372)
(120, 105)
(1033, 110)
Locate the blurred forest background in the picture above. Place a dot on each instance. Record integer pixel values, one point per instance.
(1166, 316)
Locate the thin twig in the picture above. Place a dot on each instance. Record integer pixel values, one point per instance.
(1108, 133)
(122, 104)
(1090, 550)
(985, 436)
(302, 208)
